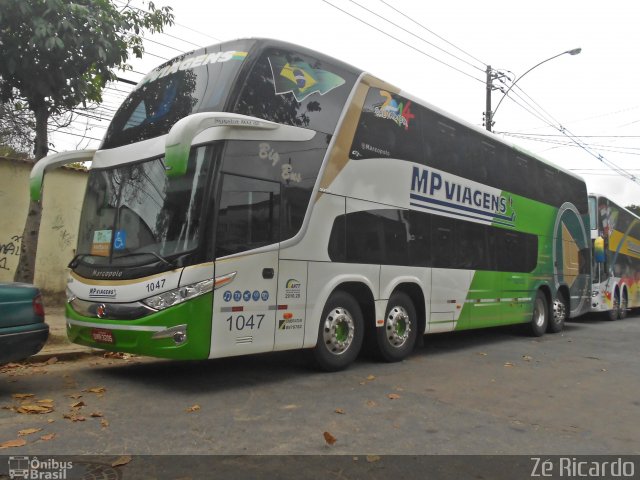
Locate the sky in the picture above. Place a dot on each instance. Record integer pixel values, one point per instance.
(439, 52)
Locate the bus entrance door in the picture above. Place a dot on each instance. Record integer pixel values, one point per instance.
(244, 311)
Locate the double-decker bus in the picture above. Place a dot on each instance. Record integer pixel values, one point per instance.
(256, 196)
(615, 233)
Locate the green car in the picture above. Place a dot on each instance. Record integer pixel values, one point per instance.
(23, 331)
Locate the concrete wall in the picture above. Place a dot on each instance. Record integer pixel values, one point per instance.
(62, 202)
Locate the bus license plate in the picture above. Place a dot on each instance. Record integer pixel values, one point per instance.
(102, 335)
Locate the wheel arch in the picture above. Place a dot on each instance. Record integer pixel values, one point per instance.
(546, 290)
(416, 294)
(566, 292)
(358, 287)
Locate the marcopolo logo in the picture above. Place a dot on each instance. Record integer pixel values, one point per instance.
(34, 468)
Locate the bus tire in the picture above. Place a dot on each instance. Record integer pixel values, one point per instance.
(624, 305)
(614, 313)
(340, 333)
(560, 314)
(396, 339)
(540, 316)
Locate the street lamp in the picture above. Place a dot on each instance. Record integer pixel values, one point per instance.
(490, 77)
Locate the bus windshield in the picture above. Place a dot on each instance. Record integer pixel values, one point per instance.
(135, 213)
(196, 82)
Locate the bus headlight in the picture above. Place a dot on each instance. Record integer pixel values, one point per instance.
(187, 292)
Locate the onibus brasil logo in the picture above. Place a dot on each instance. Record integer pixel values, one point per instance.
(33, 468)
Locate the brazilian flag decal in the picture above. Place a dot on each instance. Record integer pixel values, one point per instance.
(301, 79)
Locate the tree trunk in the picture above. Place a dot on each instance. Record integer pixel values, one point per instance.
(27, 262)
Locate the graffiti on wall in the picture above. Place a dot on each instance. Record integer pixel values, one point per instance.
(9, 250)
(65, 238)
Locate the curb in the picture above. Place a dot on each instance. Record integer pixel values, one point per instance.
(63, 352)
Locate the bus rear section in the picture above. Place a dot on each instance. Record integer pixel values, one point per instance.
(615, 236)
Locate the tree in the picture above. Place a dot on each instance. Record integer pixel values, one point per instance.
(58, 54)
(16, 130)
(634, 208)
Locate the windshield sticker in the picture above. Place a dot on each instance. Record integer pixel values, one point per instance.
(392, 110)
(193, 62)
(101, 243)
(120, 240)
(301, 79)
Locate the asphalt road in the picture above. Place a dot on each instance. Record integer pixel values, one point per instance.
(489, 392)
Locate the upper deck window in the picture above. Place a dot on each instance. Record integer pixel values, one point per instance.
(296, 89)
(191, 83)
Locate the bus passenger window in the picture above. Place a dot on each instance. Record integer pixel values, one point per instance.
(248, 216)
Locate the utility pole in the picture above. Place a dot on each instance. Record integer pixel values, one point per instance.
(488, 113)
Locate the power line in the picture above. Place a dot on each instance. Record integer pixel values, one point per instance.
(434, 33)
(404, 43)
(417, 36)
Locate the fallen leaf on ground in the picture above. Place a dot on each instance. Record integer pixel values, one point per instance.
(339, 410)
(50, 420)
(373, 458)
(78, 404)
(19, 442)
(371, 403)
(123, 460)
(117, 355)
(75, 396)
(96, 414)
(28, 431)
(51, 361)
(44, 400)
(393, 396)
(22, 396)
(527, 358)
(35, 409)
(104, 423)
(47, 437)
(330, 439)
(193, 408)
(508, 364)
(482, 354)
(291, 406)
(95, 390)
(74, 417)
(371, 377)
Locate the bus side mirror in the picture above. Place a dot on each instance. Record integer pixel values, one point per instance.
(180, 137)
(598, 250)
(50, 162)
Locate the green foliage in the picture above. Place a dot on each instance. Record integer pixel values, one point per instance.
(634, 208)
(16, 130)
(57, 54)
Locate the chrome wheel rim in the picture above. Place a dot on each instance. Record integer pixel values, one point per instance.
(559, 311)
(538, 313)
(338, 330)
(398, 326)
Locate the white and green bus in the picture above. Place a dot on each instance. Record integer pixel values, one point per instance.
(256, 196)
(615, 233)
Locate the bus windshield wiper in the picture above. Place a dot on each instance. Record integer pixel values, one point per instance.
(159, 257)
(76, 259)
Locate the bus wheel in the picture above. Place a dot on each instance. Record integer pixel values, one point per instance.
(396, 339)
(340, 333)
(624, 305)
(540, 317)
(560, 314)
(614, 313)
